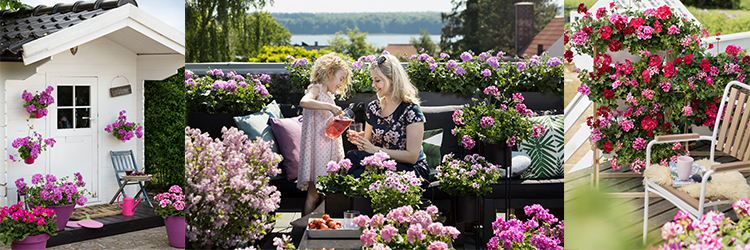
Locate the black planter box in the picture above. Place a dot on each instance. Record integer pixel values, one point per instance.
(211, 123)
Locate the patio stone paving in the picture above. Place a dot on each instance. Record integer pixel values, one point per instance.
(154, 238)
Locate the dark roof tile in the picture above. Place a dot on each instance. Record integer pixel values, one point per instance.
(25, 25)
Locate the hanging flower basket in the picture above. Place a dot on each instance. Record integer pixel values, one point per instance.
(123, 130)
(30, 147)
(36, 105)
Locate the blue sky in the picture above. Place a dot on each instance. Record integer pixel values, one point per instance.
(171, 12)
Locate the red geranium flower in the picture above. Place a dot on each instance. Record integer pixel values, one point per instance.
(605, 32)
(654, 61)
(668, 70)
(601, 12)
(588, 30)
(746, 59)
(568, 55)
(636, 23)
(733, 49)
(705, 65)
(566, 38)
(688, 59)
(615, 46)
(657, 27)
(609, 94)
(666, 126)
(629, 30)
(608, 147)
(678, 61)
(710, 46)
(664, 12)
(582, 8)
(649, 123)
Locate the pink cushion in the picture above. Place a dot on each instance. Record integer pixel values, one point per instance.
(288, 132)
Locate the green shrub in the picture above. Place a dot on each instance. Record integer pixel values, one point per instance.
(279, 54)
(164, 128)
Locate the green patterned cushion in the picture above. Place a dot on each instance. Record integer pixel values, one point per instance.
(546, 152)
(431, 141)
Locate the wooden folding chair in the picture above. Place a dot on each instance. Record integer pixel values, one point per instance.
(731, 135)
(123, 161)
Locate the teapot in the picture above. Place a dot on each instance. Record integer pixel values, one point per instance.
(128, 205)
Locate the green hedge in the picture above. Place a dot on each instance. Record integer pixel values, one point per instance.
(164, 129)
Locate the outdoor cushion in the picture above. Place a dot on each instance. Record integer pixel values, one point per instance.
(520, 161)
(431, 141)
(256, 125)
(273, 109)
(442, 117)
(546, 152)
(288, 135)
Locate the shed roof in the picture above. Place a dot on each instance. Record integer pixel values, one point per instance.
(548, 36)
(30, 35)
(26, 25)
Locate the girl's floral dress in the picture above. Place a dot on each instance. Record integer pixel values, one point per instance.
(390, 132)
(317, 149)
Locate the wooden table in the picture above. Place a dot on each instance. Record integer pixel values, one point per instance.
(338, 244)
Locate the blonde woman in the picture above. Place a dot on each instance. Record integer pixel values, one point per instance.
(330, 75)
(394, 123)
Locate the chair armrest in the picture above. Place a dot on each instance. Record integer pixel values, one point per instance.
(734, 166)
(680, 137)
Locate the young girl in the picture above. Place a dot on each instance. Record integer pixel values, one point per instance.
(330, 74)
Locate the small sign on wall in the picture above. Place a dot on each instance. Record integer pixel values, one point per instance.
(120, 91)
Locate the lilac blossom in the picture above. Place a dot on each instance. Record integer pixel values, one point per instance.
(228, 174)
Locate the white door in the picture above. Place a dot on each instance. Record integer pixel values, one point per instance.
(73, 125)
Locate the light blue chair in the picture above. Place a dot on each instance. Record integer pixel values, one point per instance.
(123, 161)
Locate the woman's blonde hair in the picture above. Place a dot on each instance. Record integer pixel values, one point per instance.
(327, 63)
(401, 87)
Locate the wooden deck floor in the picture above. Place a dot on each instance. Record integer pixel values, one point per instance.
(625, 214)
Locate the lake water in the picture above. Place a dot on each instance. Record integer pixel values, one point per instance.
(380, 40)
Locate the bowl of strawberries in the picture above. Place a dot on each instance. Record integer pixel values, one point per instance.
(327, 227)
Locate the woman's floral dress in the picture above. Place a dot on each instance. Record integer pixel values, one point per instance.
(390, 132)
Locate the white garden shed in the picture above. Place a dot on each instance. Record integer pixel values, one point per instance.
(83, 50)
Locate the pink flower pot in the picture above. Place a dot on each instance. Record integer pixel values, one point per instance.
(175, 231)
(63, 214)
(31, 242)
(28, 160)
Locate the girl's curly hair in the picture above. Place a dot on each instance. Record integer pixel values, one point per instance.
(325, 67)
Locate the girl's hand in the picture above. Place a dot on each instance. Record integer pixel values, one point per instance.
(352, 136)
(336, 110)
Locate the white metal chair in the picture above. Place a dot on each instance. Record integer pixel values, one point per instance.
(732, 138)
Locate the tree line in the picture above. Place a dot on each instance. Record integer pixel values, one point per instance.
(373, 23)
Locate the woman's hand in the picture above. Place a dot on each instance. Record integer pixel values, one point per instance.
(362, 143)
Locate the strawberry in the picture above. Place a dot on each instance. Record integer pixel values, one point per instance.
(323, 227)
(326, 217)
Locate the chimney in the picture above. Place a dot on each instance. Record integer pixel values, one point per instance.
(316, 43)
(539, 49)
(524, 26)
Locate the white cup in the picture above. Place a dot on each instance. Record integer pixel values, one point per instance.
(684, 167)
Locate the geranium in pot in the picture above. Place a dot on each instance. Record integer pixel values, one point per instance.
(219, 92)
(171, 208)
(36, 104)
(124, 130)
(395, 189)
(26, 229)
(404, 228)
(468, 177)
(30, 147)
(61, 195)
(541, 231)
(495, 119)
(338, 181)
